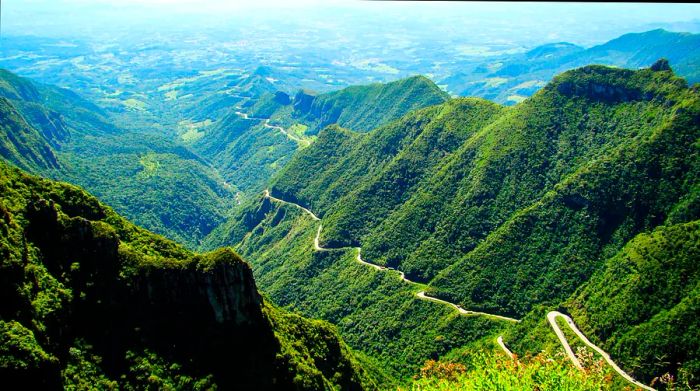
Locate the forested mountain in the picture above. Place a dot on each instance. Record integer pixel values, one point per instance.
(509, 211)
(54, 132)
(92, 301)
(248, 151)
(363, 108)
(22, 144)
(512, 78)
(207, 195)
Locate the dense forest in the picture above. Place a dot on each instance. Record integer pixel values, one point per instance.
(158, 183)
(379, 236)
(90, 300)
(504, 210)
(247, 152)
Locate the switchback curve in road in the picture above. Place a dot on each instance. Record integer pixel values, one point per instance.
(499, 342)
(552, 319)
(420, 295)
(551, 316)
(266, 123)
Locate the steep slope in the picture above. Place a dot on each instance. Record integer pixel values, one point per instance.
(22, 144)
(248, 151)
(544, 250)
(363, 108)
(376, 311)
(54, 132)
(502, 210)
(383, 169)
(423, 219)
(643, 304)
(641, 307)
(90, 299)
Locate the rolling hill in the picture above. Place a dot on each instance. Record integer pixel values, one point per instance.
(512, 78)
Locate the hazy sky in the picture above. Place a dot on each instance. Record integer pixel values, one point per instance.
(588, 23)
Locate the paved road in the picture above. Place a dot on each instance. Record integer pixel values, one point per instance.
(551, 316)
(266, 123)
(461, 310)
(552, 319)
(499, 342)
(421, 295)
(267, 194)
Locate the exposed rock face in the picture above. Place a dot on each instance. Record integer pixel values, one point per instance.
(25, 145)
(600, 91)
(87, 297)
(661, 65)
(282, 98)
(206, 312)
(303, 101)
(49, 122)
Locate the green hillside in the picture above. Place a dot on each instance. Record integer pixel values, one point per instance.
(643, 304)
(22, 144)
(92, 301)
(363, 108)
(504, 210)
(154, 181)
(376, 312)
(248, 153)
(553, 243)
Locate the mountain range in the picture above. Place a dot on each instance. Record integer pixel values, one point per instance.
(508, 211)
(510, 79)
(379, 236)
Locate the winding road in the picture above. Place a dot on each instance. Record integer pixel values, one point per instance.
(499, 342)
(551, 316)
(552, 319)
(421, 295)
(266, 123)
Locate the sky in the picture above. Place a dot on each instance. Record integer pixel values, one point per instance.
(589, 23)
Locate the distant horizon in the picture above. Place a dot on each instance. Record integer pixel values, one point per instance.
(584, 24)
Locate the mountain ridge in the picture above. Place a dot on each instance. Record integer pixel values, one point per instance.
(578, 153)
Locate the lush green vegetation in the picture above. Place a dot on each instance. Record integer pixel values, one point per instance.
(423, 211)
(548, 248)
(643, 304)
(504, 210)
(55, 133)
(245, 152)
(249, 154)
(375, 312)
(489, 372)
(363, 108)
(22, 144)
(90, 300)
